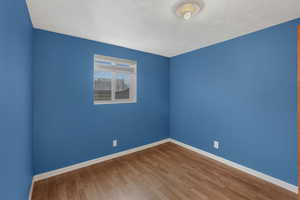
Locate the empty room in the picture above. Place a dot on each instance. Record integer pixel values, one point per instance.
(149, 99)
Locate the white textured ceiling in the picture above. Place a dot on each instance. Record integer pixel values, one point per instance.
(152, 26)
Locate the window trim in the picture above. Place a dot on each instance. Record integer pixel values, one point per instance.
(133, 86)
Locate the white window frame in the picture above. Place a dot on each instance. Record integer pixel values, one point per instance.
(133, 84)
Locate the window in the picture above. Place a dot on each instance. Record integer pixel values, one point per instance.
(114, 80)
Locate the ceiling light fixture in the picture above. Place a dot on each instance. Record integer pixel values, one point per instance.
(187, 9)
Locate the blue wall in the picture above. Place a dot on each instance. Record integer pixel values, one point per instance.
(15, 100)
(241, 92)
(68, 128)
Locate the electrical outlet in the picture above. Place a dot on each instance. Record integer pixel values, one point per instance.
(216, 144)
(115, 143)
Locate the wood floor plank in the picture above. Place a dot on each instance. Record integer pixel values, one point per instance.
(164, 172)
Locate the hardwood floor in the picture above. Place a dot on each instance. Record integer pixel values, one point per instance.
(165, 172)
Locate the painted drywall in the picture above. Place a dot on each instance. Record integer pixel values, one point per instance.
(15, 100)
(68, 128)
(242, 93)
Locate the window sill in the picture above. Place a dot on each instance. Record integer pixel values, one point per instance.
(114, 102)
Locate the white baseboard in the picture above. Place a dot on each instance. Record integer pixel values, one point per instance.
(31, 189)
(255, 173)
(56, 172)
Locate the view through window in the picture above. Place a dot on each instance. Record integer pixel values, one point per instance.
(114, 80)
